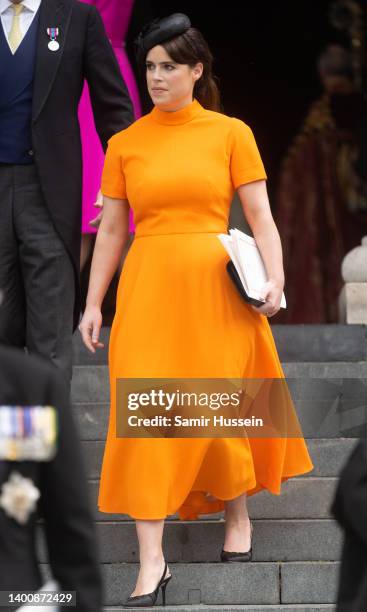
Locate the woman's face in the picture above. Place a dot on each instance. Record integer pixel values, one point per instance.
(170, 85)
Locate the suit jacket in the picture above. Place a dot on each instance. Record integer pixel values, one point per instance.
(64, 503)
(349, 507)
(85, 53)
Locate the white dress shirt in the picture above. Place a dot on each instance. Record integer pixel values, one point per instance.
(26, 16)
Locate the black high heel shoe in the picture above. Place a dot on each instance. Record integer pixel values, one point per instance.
(149, 599)
(237, 557)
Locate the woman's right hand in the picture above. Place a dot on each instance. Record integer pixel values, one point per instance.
(90, 327)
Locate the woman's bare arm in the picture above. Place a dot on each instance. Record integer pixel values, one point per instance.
(112, 236)
(256, 207)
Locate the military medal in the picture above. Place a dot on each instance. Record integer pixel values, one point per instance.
(28, 433)
(53, 44)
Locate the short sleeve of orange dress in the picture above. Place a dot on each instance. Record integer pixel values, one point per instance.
(113, 180)
(245, 163)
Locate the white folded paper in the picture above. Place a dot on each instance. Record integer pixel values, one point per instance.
(248, 262)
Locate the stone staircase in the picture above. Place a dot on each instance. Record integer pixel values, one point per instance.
(296, 544)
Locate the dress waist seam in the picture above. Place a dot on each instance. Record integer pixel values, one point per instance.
(219, 231)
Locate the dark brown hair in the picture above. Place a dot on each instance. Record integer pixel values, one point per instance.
(191, 48)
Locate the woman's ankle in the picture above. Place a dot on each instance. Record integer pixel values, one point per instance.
(237, 521)
(152, 559)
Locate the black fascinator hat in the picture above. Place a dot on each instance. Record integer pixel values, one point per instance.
(158, 31)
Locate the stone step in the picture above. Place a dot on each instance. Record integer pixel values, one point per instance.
(92, 420)
(90, 384)
(301, 498)
(234, 608)
(332, 342)
(201, 541)
(224, 584)
(309, 582)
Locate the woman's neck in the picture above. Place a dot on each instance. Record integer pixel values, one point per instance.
(177, 105)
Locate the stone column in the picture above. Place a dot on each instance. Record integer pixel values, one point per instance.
(353, 296)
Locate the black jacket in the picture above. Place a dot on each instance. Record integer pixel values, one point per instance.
(64, 503)
(349, 507)
(85, 53)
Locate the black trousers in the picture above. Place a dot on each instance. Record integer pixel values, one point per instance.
(36, 273)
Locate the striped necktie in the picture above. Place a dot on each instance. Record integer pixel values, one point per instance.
(15, 35)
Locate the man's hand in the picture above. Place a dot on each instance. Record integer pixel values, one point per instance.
(99, 200)
(98, 204)
(96, 222)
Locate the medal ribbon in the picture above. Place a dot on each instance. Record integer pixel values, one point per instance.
(53, 33)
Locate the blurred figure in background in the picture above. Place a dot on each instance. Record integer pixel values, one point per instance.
(349, 507)
(116, 17)
(321, 204)
(35, 484)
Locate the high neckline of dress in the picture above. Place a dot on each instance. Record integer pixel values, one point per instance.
(183, 115)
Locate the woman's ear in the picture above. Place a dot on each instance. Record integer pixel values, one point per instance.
(198, 71)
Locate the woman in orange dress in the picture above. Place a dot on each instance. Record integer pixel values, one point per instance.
(178, 313)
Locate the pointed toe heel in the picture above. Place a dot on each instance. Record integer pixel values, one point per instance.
(237, 557)
(148, 600)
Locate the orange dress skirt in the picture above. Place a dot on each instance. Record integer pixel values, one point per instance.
(178, 314)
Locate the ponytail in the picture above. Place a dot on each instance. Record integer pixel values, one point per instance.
(191, 48)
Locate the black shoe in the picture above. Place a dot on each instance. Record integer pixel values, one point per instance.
(148, 599)
(237, 557)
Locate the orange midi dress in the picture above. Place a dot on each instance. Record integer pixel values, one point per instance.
(179, 315)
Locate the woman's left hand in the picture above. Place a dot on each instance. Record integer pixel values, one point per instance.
(271, 291)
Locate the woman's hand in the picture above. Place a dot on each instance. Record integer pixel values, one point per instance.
(90, 327)
(256, 208)
(271, 291)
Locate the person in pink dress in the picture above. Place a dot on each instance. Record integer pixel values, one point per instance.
(116, 16)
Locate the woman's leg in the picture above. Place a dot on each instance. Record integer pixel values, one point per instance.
(237, 527)
(151, 556)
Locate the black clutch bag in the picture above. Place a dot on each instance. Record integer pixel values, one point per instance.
(238, 283)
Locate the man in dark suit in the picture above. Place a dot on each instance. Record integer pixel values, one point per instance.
(47, 48)
(61, 482)
(349, 507)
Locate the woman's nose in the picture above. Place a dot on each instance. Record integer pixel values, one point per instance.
(157, 74)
